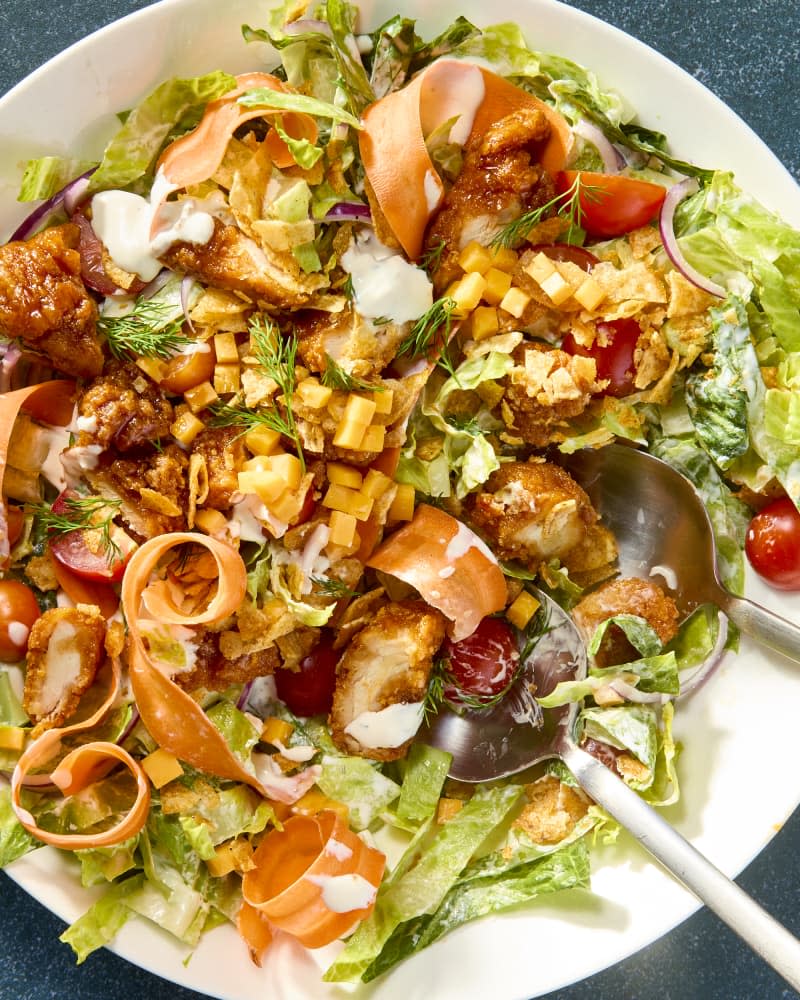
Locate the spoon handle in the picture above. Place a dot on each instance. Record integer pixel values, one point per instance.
(764, 626)
(742, 914)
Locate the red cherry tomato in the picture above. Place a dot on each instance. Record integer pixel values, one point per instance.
(80, 553)
(611, 204)
(614, 359)
(18, 611)
(81, 591)
(772, 544)
(309, 690)
(485, 662)
(567, 252)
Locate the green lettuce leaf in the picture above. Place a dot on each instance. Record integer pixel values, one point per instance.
(360, 785)
(633, 728)
(11, 711)
(424, 773)
(14, 838)
(101, 922)
(638, 631)
(47, 175)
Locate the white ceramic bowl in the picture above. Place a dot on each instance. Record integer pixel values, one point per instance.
(69, 105)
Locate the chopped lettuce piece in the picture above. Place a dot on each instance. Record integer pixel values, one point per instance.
(101, 922)
(425, 770)
(47, 175)
(105, 864)
(633, 728)
(360, 785)
(638, 631)
(239, 732)
(11, 711)
(14, 838)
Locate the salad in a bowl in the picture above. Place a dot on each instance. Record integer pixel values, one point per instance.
(286, 378)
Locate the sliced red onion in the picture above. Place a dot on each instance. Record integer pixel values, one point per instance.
(631, 693)
(305, 25)
(132, 722)
(613, 161)
(348, 211)
(241, 701)
(666, 224)
(711, 662)
(187, 284)
(156, 284)
(67, 199)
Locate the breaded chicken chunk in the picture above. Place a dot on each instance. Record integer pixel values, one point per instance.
(126, 409)
(534, 512)
(214, 672)
(499, 181)
(43, 300)
(358, 346)
(381, 678)
(65, 649)
(224, 452)
(630, 596)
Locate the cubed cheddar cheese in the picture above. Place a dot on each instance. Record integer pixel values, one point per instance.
(201, 396)
(342, 528)
(504, 258)
(522, 609)
(262, 440)
(540, 268)
(186, 426)
(344, 475)
(276, 729)
(161, 767)
(402, 507)
(484, 322)
(373, 438)
(497, 284)
(12, 737)
(589, 294)
(556, 288)
(359, 409)
(375, 484)
(515, 302)
(313, 394)
(211, 521)
(467, 292)
(348, 501)
(226, 349)
(384, 401)
(474, 257)
(227, 379)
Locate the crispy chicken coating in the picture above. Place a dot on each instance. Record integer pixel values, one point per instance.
(499, 181)
(546, 388)
(552, 811)
(630, 596)
(153, 490)
(358, 346)
(387, 663)
(214, 672)
(65, 649)
(534, 512)
(233, 261)
(127, 410)
(224, 452)
(43, 300)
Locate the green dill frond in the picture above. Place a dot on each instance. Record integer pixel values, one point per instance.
(431, 331)
(330, 587)
(434, 696)
(227, 415)
(276, 355)
(432, 257)
(89, 513)
(335, 377)
(567, 206)
(146, 331)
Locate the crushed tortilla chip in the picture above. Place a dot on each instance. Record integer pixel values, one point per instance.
(198, 485)
(153, 500)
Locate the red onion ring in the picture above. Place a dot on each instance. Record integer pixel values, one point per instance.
(633, 694)
(711, 662)
(666, 225)
(613, 161)
(68, 198)
(307, 24)
(348, 211)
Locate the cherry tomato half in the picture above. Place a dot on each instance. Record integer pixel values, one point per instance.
(18, 611)
(309, 690)
(614, 359)
(84, 554)
(612, 204)
(568, 252)
(772, 544)
(185, 371)
(485, 662)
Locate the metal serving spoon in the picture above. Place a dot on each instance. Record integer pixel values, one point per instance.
(661, 524)
(517, 733)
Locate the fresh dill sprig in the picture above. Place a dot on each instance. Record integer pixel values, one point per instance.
(90, 513)
(347, 287)
(228, 415)
(276, 355)
(335, 377)
(431, 331)
(567, 206)
(432, 257)
(145, 332)
(434, 696)
(330, 587)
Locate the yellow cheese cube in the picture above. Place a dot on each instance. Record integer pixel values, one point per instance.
(540, 268)
(186, 427)
(287, 506)
(211, 521)
(288, 467)
(12, 737)
(313, 394)
(348, 501)
(556, 288)
(154, 367)
(161, 767)
(344, 475)
(264, 483)
(373, 438)
(589, 294)
(359, 409)
(314, 801)
(225, 348)
(384, 401)
(515, 301)
(522, 609)
(446, 809)
(474, 257)
(226, 379)
(497, 284)
(504, 258)
(402, 508)
(349, 434)
(467, 293)
(375, 484)
(276, 729)
(342, 528)
(262, 440)
(201, 396)
(233, 855)
(484, 322)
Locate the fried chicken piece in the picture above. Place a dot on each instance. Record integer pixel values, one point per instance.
(358, 346)
(65, 649)
(499, 181)
(386, 666)
(630, 596)
(125, 408)
(43, 300)
(153, 490)
(233, 261)
(533, 512)
(213, 672)
(544, 389)
(552, 811)
(225, 454)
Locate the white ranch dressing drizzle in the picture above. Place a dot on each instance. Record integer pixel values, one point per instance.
(388, 728)
(384, 283)
(18, 633)
(52, 468)
(462, 541)
(62, 667)
(343, 893)
(123, 222)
